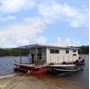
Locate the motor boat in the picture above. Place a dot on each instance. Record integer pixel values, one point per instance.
(67, 66)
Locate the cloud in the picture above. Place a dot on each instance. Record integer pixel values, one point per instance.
(13, 6)
(31, 28)
(51, 11)
(7, 18)
(22, 33)
(66, 42)
(74, 16)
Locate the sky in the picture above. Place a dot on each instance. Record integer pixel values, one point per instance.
(52, 22)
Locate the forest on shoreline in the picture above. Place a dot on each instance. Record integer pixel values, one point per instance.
(25, 52)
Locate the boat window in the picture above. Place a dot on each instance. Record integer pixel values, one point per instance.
(51, 50)
(74, 54)
(54, 51)
(74, 50)
(57, 51)
(67, 51)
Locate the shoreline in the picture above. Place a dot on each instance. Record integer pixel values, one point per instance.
(7, 76)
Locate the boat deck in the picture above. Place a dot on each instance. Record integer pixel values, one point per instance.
(30, 65)
(30, 68)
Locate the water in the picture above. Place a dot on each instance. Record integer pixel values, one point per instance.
(7, 64)
(75, 80)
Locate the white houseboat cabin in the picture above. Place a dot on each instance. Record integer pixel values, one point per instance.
(51, 54)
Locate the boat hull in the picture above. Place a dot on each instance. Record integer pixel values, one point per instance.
(37, 72)
(62, 69)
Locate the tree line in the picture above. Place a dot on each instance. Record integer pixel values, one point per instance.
(25, 52)
(14, 52)
(83, 50)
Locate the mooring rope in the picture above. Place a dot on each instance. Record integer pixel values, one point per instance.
(18, 81)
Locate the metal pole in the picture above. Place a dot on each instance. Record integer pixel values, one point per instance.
(30, 58)
(20, 56)
(28, 55)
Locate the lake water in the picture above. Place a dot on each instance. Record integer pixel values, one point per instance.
(6, 64)
(76, 80)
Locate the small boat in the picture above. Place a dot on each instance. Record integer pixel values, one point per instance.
(64, 67)
(67, 66)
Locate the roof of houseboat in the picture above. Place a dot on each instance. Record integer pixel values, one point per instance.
(48, 46)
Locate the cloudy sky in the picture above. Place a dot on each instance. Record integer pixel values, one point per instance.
(56, 22)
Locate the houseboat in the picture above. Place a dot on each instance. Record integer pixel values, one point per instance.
(42, 56)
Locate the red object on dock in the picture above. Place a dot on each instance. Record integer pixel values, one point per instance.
(36, 72)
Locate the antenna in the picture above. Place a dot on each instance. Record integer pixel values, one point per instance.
(67, 45)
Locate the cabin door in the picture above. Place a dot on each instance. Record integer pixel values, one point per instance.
(32, 58)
